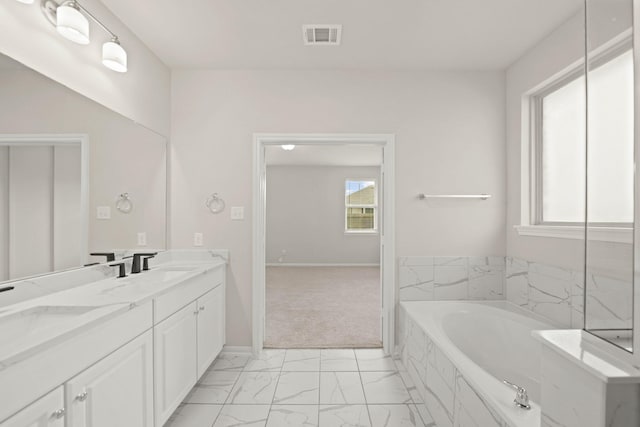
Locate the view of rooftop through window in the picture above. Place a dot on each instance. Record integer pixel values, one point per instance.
(360, 205)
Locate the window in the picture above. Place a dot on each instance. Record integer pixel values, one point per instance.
(361, 206)
(560, 129)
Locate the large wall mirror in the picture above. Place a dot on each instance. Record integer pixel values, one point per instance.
(610, 171)
(75, 178)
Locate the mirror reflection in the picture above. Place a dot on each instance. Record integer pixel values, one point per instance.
(66, 163)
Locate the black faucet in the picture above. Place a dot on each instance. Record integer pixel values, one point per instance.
(121, 271)
(7, 288)
(110, 255)
(145, 262)
(135, 265)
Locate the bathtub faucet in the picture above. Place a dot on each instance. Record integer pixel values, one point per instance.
(521, 400)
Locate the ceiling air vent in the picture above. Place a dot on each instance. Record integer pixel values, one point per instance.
(322, 35)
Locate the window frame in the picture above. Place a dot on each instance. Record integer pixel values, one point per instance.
(535, 101)
(373, 230)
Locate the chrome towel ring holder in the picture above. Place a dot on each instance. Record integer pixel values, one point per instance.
(124, 204)
(215, 203)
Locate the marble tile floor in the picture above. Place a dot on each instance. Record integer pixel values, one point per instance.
(303, 388)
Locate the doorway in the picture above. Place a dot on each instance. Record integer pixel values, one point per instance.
(288, 267)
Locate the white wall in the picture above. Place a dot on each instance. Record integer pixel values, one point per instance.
(124, 156)
(559, 50)
(306, 214)
(142, 94)
(562, 48)
(449, 129)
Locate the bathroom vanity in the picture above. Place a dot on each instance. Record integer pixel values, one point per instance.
(113, 352)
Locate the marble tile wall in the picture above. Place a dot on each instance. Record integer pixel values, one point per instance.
(451, 278)
(552, 292)
(445, 392)
(558, 294)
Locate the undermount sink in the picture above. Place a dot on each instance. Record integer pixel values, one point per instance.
(176, 268)
(20, 324)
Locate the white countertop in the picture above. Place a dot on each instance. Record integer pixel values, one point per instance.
(587, 352)
(29, 326)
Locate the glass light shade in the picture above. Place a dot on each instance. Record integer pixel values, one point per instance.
(72, 24)
(114, 56)
(26, 1)
(288, 147)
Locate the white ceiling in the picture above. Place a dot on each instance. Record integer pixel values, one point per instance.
(325, 155)
(376, 34)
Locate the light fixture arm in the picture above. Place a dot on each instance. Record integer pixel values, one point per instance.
(93, 18)
(75, 27)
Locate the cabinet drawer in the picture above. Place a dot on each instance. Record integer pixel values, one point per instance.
(186, 292)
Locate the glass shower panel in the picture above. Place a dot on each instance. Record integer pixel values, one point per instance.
(610, 172)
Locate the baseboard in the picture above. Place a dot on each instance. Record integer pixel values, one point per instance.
(241, 349)
(303, 264)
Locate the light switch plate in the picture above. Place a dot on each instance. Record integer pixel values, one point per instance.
(142, 239)
(237, 213)
(103, 212)
(197, 239)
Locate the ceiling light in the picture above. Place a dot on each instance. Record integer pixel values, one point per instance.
(288, 147)
(71, 23)
(114, 56)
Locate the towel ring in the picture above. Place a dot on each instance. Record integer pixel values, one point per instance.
(215, 203)
(124, 203)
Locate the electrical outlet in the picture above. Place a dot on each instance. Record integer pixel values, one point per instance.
(237, 213)
(103, 212)
(142, 239)
(197, 239)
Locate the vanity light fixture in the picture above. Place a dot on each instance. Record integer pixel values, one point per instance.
(114, 56)
(71, 23)
(288, 147)
(71, 20)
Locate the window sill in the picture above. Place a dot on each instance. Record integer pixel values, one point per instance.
(601, 234)
(360, 233)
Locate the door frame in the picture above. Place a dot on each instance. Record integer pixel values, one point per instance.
(386, 224)
(61, 140)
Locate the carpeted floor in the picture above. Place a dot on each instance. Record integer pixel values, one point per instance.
(323, 307)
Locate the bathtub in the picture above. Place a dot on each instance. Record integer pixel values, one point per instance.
(457, 354)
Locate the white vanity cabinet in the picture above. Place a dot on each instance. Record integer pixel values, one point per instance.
(47, 411)
(117, 391)
(186, 342)
(211, 327)
(175, 349)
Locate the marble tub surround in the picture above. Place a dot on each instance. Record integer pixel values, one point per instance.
(37, 323)
(558, 294)
(455, 389)
(372, 394)
(583, 385)
(427, 278)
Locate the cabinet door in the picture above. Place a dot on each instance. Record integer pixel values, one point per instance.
(175, 360)
(117, 391)
(210, 327)
(47, 411)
